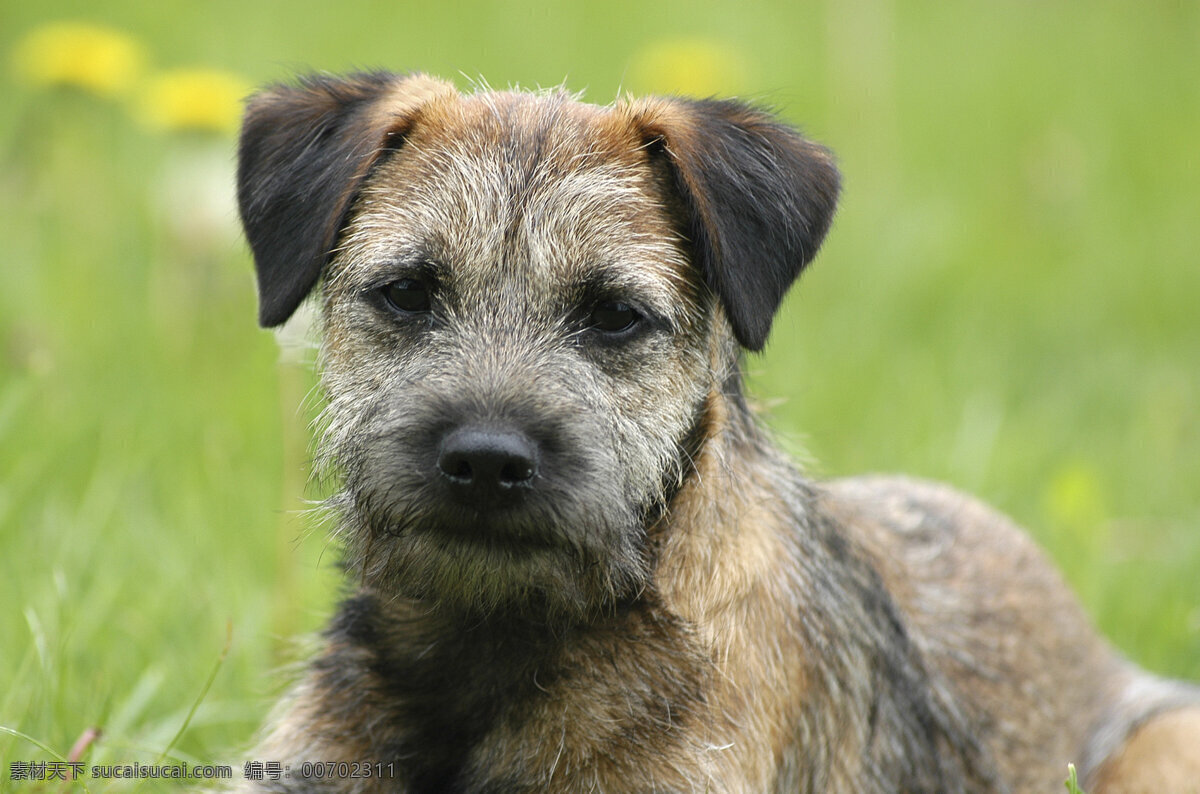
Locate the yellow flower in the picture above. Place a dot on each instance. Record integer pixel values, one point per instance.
(1074, 500)
(80, 55)
(194, 99)
(692, 67)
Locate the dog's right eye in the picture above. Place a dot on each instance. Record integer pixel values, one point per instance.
(407, 296)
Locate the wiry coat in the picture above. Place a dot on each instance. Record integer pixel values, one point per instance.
(658, 601)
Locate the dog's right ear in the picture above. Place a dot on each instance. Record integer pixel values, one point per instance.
(304, 152)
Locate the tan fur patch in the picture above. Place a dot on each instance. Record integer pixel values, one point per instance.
(1162, 755)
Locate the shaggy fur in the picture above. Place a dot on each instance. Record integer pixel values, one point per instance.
(581, 564)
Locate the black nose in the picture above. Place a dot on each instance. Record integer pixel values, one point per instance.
(486, 464)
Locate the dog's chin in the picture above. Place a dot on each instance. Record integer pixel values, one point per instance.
(503, 563)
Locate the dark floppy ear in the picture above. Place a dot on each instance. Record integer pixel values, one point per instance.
(304, 152)
(758, 198)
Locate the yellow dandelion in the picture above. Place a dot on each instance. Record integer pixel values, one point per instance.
(692, 67)
(194, 99)
(79, 55)
(1074, 500)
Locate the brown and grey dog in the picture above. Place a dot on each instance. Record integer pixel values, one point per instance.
(581, 563)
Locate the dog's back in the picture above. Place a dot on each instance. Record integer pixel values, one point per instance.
(1000, 630)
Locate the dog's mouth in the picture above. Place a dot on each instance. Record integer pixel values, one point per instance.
(505, 528)
(513, 559)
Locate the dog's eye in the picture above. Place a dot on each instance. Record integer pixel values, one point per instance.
(408, 295)
(613, 317)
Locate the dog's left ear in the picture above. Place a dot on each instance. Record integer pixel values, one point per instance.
(305, 150)
(758, 197)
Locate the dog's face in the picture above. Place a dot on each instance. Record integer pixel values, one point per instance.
(531, 308)
(505, 313)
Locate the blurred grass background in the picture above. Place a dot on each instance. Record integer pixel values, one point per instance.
(1008, 302)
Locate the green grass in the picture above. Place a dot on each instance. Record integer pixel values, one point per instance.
(1072, 781)
(1007, 302)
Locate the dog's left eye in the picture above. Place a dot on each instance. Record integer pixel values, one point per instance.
(613, 317)
(408, 295)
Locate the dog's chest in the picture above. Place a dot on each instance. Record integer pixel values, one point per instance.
(485, 709)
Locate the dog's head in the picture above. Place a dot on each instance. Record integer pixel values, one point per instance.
(531, 308)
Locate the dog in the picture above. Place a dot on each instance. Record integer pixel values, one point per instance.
(581, 565)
